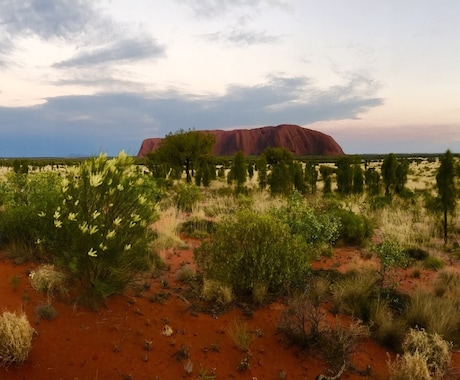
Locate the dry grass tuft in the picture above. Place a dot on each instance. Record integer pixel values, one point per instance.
(215, 291)
(47, 279)
(426, 356)
(16, 335)
(167, 228)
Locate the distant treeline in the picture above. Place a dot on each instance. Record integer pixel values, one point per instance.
(220, 160)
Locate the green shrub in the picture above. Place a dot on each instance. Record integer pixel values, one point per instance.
(354, 229)
(16, 335)
(186, 196)
(416, 253)
(24, 196)
(317, 227)
(100, 231)
(391, 255)
(45, 311)
(252, 248)
(434, 263)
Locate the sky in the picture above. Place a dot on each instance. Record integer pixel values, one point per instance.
(83, 77)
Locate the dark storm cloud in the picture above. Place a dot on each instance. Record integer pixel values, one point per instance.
(124, 50)
(111, 122)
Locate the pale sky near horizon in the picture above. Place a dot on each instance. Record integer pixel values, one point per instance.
(80, 77)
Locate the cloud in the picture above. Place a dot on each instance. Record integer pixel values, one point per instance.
(215, 8)
(123, 50)
(96, 37)
(239, 37)
(47, 18)
(111, 122)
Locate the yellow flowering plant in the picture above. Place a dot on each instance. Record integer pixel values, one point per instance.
(101, 229)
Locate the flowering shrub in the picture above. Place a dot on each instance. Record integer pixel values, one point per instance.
(99, 232)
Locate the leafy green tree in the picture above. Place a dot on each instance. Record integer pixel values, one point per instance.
(184, 150)
(326, 174)
(261, 167)
(445, 180)
(372, 180)
(402, 169)
(311, 176)
(358, 179)
(344, 175)
(298, 177)
(394, 174)
(250, 170)
(238, 170)
(389, 172)
(205, 173)
(281, 179)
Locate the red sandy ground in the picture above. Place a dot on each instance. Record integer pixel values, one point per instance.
(80, 344)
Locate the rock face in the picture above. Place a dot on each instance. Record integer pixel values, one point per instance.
(300, 141)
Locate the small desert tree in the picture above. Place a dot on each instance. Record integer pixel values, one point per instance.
(311, 176)
(394, 173)
(238, 170)
(184, 149)
(445, 180)
(261, 167)
(391, 255)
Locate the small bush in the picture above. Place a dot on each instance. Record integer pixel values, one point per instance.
(303, 321)
(215, 291)
(433, 263)
(16, 335)
(186, 273)
(447, 285)
(186, 196)
(416, 253)
(354, 294)
(252, 248)
(47, 279)
(241, 336)
(386, 329)
(198, 228)
(45, 311)
(435, 315)
(391, 255)
(318, 227)
(354, 229)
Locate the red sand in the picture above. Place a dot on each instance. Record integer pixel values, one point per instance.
(112, 343)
